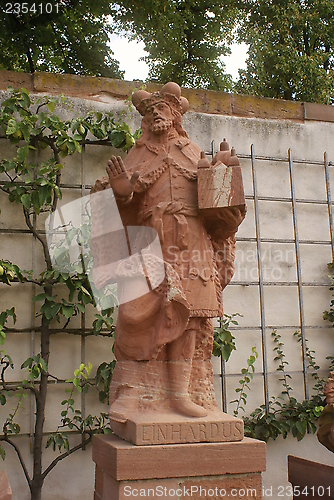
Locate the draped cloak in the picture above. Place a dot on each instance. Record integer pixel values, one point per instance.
(198, 257)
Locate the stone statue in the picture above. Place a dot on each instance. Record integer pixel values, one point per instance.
(325, 432)
(164, 338)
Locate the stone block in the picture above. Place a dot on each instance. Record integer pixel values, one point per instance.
(314, 259)
(273, 178)
(319, 112)
(282, 307)
(99, 481)
(170, 428)
(276, 219)
(16, 79)
(126, 462)
(313, 222)
(246, 167)
(201, 470)
(309, 181)
(5, 489)
(241, 487)
(244, 299)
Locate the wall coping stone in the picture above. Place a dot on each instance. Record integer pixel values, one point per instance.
(202, 101)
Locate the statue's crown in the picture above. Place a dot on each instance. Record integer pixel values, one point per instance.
(170, 93)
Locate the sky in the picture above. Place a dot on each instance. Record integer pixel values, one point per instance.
(129, 53)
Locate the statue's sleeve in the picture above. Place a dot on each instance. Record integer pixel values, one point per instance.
(222, 228)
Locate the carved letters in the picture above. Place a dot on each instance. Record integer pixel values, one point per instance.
(189, 432)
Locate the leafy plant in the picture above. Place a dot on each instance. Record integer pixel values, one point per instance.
(32, 126)
(280, 356)
(290, 53)
(244, 382)
(71, 37)
(103, 379)
(184, 40)
(329, 315)
(286, 414)
(223, 340)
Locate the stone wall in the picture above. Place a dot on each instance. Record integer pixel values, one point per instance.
(272, 127)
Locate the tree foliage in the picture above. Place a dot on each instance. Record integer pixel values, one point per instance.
(184, 38)
(290, 42)
(291, 45)
(72, 38)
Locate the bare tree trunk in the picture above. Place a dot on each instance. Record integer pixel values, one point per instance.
(30, 61)
(38, 479)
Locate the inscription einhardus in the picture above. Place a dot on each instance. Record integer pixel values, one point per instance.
(186, 432)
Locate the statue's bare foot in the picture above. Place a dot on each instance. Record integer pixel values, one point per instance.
(117, 412)
(124, 405)
(185, 406)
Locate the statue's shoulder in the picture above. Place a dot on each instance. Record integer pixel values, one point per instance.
(190, 149)
(136, 157)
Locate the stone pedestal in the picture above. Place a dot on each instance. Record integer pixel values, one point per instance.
(5, 489)
(169, 428)
(178, 471)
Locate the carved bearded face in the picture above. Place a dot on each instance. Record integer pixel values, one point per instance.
(160, 118)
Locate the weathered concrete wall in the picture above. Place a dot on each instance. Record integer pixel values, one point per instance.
(272, 127)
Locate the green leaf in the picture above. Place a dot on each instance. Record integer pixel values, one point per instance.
(301, 426)
(51, 106)
(68, 311)
(26, 200)
(117, 138)
(27, 363)
(11, 127)
(22, 153)
(43, 296)
(43, 364)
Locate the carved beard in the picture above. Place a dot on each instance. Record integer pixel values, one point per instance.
(162, 125)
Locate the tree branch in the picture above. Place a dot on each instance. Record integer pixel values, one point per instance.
(4, 368)
(5, 438)
(74, 331)
(39, 238)
(30, 61)
(64, 455)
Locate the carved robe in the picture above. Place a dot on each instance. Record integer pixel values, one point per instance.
(165, 199)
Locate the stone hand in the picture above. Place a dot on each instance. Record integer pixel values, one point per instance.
(100, 185)
(233, 216)
(122, 183)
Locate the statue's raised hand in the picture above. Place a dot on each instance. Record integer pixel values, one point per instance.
(121, 182)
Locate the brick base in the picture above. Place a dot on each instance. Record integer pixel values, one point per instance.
(176, 472)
